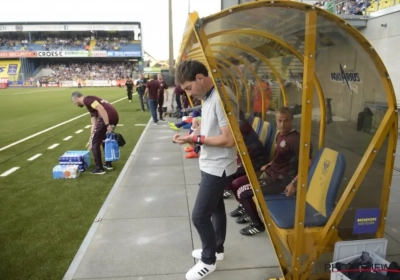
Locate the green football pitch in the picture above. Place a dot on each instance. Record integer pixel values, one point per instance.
(43, 221)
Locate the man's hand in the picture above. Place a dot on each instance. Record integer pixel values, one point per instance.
(290, 190)
(109, 128)
(182, 139)
(265, 167)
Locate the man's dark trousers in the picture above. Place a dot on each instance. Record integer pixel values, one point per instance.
(209, 216)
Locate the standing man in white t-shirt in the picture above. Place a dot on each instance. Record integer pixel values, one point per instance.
(217, 164)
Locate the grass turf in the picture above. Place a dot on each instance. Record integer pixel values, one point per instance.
(43, 221)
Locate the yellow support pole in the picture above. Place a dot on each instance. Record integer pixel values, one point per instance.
(349, 192)
(237, 72)
(259, 84)
(259, 56)
(387, 177)
(291, 49)
(189, 99)
(264, 60)
(305, 138)
(225, 102)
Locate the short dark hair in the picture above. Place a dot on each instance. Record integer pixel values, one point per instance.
(285, 110)
(188, 69)
(76, 94)
(153, 76)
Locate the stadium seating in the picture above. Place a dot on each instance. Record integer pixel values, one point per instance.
(324, 180)
(90, 71)
(69, 44)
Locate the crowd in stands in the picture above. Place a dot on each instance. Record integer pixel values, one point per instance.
(63, 43)
(54, 43)
(93, 71)
(348, 7)
(107, 43)
(8, 44)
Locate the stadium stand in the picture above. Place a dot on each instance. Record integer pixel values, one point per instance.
(91, 71)
(356, 7)
(62, 43)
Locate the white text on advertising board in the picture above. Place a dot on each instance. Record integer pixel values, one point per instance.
(50, 54)
(98, 53)
(75, 53)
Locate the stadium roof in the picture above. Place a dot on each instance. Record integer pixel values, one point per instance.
(69, 22)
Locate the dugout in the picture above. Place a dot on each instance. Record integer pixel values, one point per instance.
(288, 53)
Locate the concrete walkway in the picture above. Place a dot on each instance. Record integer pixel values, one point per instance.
(144, 231)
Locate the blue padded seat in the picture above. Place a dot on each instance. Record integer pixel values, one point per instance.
(250, 118)
(278, 197)
(257, 124)
(324, 180)
(265, 136)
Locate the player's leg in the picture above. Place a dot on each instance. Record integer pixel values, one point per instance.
(160, 108)
(97, 141)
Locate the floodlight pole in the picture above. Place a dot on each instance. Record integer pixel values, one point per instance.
(171, 40)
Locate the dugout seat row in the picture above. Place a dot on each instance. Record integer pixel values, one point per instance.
(324, 179)
(266, 133)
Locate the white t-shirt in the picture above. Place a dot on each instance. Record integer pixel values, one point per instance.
(217, 160)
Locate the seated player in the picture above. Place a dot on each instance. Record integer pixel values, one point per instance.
(254, 147)
(193, 115)
(280, 174)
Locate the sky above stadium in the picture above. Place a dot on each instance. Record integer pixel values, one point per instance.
(153, 14)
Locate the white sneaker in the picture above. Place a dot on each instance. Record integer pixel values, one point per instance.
(200, 270)
(197, 255)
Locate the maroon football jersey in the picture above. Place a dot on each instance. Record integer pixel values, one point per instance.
(286, 158)
(92, 101)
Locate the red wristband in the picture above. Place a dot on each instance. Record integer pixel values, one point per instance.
(198, 139)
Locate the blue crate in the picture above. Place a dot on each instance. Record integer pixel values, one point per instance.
(66, 172)
(85, 153)
(80, 158)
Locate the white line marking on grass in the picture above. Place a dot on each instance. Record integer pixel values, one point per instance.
(120, 125)
(35, 91)
(140, 124)
(67, 138)
(53, 146)
(51, 128)
(8, 172)
(34, 157)
(88, 126)
(79, 131)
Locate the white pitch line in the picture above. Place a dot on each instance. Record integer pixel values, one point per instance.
(140, 124)
(67, 138)
(88, 126)
(53, 146)
(8, 172)
(34, 157)
(79, 131)
(120, 125)
(53, 127)
(23, 92)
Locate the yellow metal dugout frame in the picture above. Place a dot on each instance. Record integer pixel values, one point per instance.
(248, 92)
(323, 236)
(258, 55)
